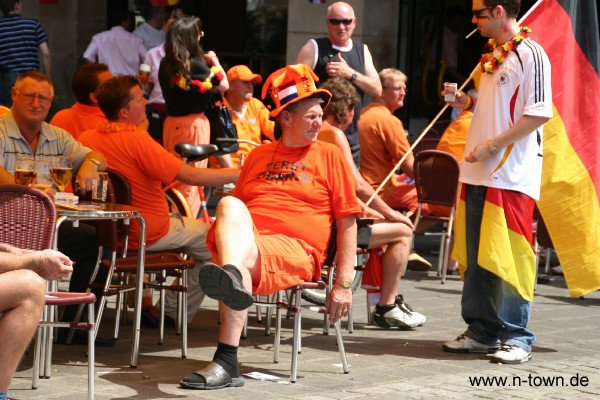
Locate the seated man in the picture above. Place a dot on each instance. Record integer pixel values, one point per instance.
(383, 143)
(391, 228)
(147, 166)
(250, 116)
(24, 132)
(85, 113)
(22, 290)
(273, 232)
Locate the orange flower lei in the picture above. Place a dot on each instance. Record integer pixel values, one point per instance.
(203, 86)
(112, 126)
(488, 62)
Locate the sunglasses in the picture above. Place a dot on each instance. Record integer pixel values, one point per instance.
(479, 13)
(336, 22)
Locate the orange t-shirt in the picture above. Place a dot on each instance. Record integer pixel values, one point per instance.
(145, 164)
(298, 192)
(383, 142)
(78, 119)
(455, 136)
(251, 125)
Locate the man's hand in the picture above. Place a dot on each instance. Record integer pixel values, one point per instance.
(461, 101)
(52, 265)
(86, 174)
(339, 303)
(480, 153)
(397, 216)
(339, 69)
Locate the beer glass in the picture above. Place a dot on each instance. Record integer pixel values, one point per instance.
(24, 171)
(61, 171)
(43, 175)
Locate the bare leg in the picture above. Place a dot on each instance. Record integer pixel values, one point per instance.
(398, 238)
(235, 241)
(21, 302)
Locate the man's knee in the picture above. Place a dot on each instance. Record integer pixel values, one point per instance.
(32, 287)
(233, 208)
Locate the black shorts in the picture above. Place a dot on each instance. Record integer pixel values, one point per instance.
(363, 227)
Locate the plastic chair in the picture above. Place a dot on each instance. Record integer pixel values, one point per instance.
(28, 221)
(436, 180)
(159, 265)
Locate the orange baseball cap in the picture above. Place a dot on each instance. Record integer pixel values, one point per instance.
(291, 84)
(242, 73)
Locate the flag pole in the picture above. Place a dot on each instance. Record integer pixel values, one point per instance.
(428, 127)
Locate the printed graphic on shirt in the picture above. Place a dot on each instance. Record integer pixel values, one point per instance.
(284, 170)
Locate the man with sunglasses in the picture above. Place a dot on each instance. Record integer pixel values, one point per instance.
(339, 56)
(501, 179)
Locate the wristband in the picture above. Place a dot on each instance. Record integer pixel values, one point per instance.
(469, 105)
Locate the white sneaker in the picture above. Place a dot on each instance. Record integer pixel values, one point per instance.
(464, 344)
(408, 309)
(511, 354)
(397, 317)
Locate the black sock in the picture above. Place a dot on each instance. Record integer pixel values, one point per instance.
(226, 357)
(385, 308)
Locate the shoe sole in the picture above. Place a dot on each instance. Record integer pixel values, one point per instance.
(217, 284)
(465, 351)
(498, 360)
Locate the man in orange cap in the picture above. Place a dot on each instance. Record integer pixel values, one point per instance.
(250, 116)
(260, 237)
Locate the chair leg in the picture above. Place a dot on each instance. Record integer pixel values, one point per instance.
(91, 350)
(184, 314)
(278, 316)
(37, 354)
(296, 345)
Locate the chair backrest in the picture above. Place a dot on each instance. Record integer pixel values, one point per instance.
(427, 143)
(436, 177)
(120, 187)
(27, 218)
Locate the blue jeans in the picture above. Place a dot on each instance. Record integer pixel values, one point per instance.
(492, 308)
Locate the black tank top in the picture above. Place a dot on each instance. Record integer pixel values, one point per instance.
(355, 59)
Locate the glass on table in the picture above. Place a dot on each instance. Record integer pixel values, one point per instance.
(24, 170)
(43, 175)
(62, 171)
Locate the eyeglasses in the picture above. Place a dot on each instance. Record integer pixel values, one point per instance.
(32, 96)
(477, 13)
(336, 22)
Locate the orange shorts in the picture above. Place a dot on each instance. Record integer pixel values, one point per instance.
(284, 261)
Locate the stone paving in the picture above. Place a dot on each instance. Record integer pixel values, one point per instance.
(386, 364)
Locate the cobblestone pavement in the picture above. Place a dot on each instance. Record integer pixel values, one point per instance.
(388, 364)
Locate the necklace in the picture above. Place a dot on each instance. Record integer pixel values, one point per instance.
(489, 62)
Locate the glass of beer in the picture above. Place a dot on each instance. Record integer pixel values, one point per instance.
(43, 175)
(61, 171)
(24, 171)
(144, 74)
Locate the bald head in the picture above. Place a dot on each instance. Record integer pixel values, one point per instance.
(340, 7)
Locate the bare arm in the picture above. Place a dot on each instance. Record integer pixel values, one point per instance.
(46, 58)
(307, 55)
(522, 128)
(213, 60)
(341, 299)
(368, 82)
(206, 176)
(6, 177)
(49, 264)
(364, 191)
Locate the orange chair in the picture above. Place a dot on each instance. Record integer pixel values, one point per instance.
(436, 180)
(29, 221)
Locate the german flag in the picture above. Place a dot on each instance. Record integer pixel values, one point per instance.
(568, 31)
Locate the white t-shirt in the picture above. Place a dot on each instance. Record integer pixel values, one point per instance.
(520, 86)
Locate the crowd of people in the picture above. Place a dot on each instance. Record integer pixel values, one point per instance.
(321, 157)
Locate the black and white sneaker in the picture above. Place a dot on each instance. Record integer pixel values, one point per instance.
(395, 316)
